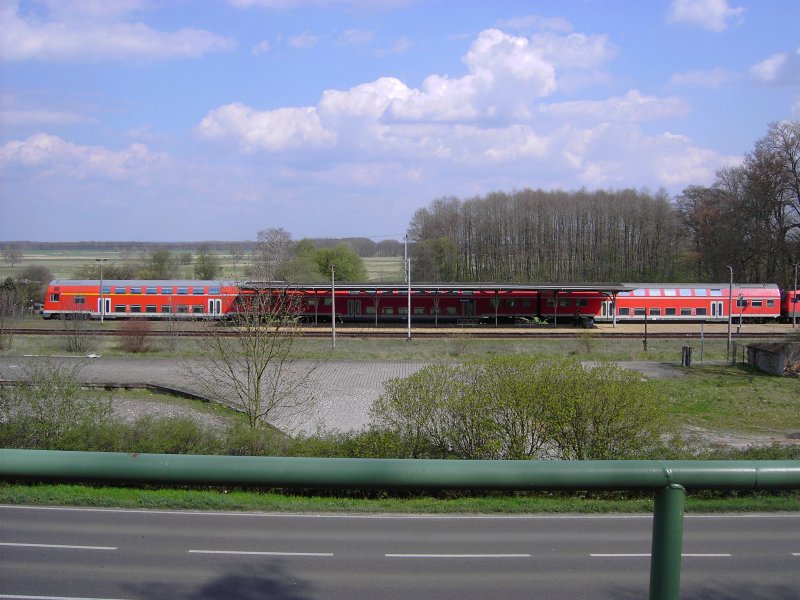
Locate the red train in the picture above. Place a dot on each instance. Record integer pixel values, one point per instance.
(430, 303)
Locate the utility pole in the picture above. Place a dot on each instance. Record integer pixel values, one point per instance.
(333, 306)
(730, 307)
(408, 287)
(794, 299)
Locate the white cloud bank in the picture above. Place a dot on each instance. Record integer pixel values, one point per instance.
(97, 31)
(713, 15)
(499, 116)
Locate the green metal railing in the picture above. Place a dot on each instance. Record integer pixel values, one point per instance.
(668, 480)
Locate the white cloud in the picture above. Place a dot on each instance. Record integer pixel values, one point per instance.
(356, 37)
(780, 69)
(714, 78)
(97, 31)
(713, 15)
(493, 118)
(53, 155)
(303, 41)
(280, 129)
(633, 107)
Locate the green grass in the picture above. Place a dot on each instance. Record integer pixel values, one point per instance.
(222, 499)
(734, 398)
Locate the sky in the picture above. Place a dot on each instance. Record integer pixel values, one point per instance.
(192, 120)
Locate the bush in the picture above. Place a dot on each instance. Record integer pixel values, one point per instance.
(519, 408)
(46, 409)
(135, 336)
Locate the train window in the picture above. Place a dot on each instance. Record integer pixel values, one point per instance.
(685, 292)
(756, 303)
(700, 292)
(741, 302)
(151, 290)
(701, 312)
(565, 302)
(639, 292)
(451, 310)
(326, 301)
(106, 289)
(119, 308)
(655, 292)
(197, 309)
(166, 308)
(671, 312)
(166, 290)
(624, 312)
(716, 292)
(686, 312)
(369, 310)
(183, 308)
(119, 290)
(670, 293)
(771, 303)
(80, 300)
(419, 310)
(402, 310)
(655, 312)
(214, 291)
(150, 308)
(198, 291)
(638, 312)
(387, 310)
(510, 302)
(54, 297)
(582, 302)
(526, 303)
(136, 290)
(136, 308)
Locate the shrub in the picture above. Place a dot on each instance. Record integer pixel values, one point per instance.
(135, 336)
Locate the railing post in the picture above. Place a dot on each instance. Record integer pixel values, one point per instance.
(665, 557)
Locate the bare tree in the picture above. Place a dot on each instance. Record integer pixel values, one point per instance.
(272, 254)
(11, 310)
(253, 364)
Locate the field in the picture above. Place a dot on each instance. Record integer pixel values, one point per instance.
(66, 264)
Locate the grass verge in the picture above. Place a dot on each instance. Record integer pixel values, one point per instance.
(219, 499)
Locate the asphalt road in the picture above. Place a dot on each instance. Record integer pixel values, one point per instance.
(114, 554)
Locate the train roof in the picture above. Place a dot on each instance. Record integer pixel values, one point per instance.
(441, 286)
(703, 285)
(143, 282)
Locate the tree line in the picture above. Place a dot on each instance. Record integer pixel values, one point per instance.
(749, 219)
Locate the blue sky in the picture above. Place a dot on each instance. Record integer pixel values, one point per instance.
(189, 120)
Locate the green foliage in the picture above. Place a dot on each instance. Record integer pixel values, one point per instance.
(49, 410)
(207, 265)
(518, 408)
(348, 264)
(160, 264)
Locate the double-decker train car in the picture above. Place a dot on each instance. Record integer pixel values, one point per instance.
(694, 302)
(125, 299)
(790, 305)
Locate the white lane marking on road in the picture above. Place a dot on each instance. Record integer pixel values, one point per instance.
(260, 553)
(647, 555)
(457, 555)
(18, 597)
(59, 546)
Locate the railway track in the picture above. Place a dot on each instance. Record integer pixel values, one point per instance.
(442, 332)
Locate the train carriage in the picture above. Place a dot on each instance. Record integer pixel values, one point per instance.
(126, 299)
(694, 302)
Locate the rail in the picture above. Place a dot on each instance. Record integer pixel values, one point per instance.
(668, 480)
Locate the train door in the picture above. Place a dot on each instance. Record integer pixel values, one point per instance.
(468, 309)
(607, 309)
(354, 308)
(215, 307)
(105, 307)
(717, 309)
